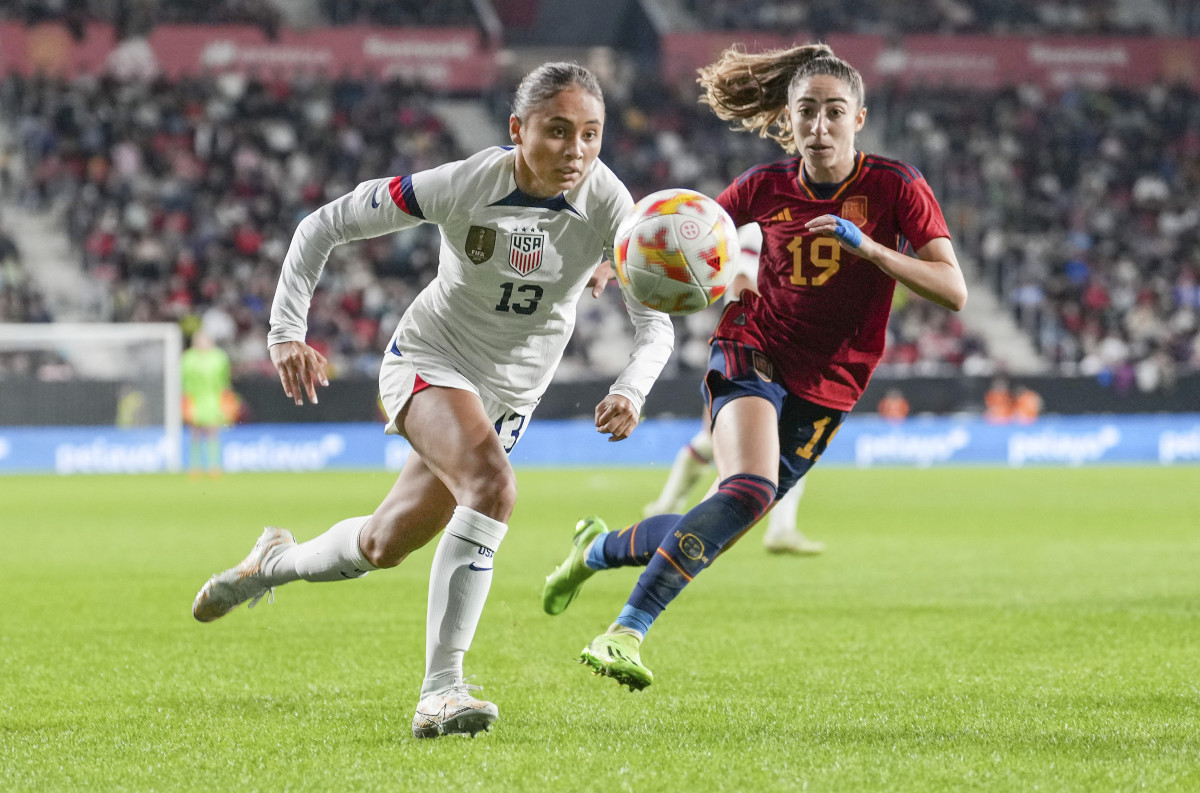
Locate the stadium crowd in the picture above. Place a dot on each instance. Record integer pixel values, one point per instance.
(1075, 17)
(20, 299)
(400, 12)
(181, 198)
(136, 17)
(1081, 208)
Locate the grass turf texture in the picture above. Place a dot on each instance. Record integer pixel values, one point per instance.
(973, 629)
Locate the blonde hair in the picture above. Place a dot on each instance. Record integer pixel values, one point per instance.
(752, 89)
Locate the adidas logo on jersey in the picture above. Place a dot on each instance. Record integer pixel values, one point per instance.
(785, 215)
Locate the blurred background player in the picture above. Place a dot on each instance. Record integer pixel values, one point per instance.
(788, 362)
(524, 229)
(695, 458)
(207, 397)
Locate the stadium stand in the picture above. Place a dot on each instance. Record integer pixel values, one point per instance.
(180, 196)
(399, 12)
(1076, 17)
(20, 299)
(183, 197)
(185, 211)
(1081, 206)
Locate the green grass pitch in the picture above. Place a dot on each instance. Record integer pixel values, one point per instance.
(968, 629)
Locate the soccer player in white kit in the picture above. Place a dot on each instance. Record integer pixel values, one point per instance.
(523, 228)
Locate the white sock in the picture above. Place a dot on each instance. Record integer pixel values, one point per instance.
(690, 462)
(332, 556)
(459, 581)
(782, 520)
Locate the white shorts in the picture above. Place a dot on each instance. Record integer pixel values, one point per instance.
(398, 381)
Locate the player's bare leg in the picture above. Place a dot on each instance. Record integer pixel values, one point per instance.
(413, 512)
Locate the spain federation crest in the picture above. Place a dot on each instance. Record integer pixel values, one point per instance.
(525, 251)
(854, 209)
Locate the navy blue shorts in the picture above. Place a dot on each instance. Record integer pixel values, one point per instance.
(805, 428)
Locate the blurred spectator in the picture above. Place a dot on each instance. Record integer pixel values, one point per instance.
(998, 402)
(20, 298)
(1026, 405)
(893, 407)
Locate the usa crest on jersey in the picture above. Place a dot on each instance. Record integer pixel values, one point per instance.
(525, 251)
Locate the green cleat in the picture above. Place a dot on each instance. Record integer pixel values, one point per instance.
(618, 655)
(563, 584)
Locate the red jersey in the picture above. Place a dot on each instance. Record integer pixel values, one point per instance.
(821, 313)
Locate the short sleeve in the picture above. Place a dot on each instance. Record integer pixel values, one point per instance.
(918, 214)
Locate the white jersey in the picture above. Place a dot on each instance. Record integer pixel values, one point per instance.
(750, 240)
(511, 271)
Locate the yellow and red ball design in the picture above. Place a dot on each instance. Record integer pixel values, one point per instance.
(674, 252)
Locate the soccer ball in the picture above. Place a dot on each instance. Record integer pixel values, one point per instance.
(676, 251)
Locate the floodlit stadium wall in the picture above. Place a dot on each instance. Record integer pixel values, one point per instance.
(864, 441)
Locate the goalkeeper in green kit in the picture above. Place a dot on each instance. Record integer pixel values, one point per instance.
(209, 403)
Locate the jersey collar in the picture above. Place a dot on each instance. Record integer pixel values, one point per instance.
(825, 191)
(519, 198)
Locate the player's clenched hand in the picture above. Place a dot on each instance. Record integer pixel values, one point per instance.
(300, 368)
(616, 417)
(600, 278)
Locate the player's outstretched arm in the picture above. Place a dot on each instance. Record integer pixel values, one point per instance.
(300, 369)
(934, 274)
(616, 416)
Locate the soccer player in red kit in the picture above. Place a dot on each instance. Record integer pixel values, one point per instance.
(786, 364)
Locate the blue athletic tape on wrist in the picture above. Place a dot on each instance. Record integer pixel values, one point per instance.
(847, 232)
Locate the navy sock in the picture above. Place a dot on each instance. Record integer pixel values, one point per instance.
(695, 541)
(635, 544)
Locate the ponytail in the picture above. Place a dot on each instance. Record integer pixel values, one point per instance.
(751, 89)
